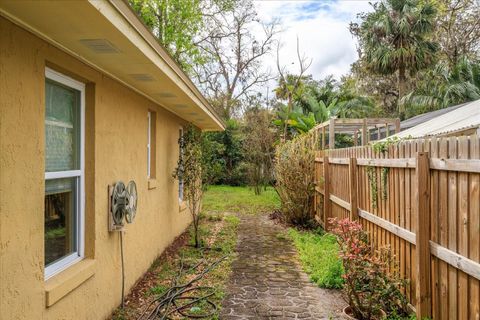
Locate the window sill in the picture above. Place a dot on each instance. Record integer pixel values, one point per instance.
(182, 206)
(68, 280)
(152, 184)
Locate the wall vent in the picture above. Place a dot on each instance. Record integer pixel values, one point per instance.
(166, 95)
(141, 77)
(181, 106)
(99, 45)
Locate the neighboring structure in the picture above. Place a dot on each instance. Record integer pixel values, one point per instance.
(461, 120)
(362, 131)
(424, 117)
(87, 98)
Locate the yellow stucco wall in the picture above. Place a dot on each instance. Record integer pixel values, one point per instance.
(116, 137)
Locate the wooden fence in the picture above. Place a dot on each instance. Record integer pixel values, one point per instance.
(421, 198)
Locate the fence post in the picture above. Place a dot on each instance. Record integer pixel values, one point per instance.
(323, 138)
(422, 251)
(331, 134)
(397, 125)
(326, 193)
(364, 133)
(352, 175)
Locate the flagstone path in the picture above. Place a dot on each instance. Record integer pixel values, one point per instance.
(267, 281)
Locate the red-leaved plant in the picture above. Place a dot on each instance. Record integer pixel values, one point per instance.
(372, 284)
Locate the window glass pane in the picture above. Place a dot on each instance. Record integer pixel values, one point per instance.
(62, 119)
(60, 218)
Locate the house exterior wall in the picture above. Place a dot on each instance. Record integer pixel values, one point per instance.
(115, 149)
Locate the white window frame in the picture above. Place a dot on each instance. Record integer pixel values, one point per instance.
(180, 183)
(149, 144)
(79, 255)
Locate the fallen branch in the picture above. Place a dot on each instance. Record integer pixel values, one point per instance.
(170, 303)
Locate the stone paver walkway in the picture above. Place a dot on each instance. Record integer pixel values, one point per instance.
(267, 281)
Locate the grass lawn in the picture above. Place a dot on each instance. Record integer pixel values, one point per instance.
(239, 199)
(319, 257)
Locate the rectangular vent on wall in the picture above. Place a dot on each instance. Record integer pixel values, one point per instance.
(141, 77)
(99, 45)
(166, 95)
(181, 106)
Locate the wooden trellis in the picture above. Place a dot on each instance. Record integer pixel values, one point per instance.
(362, 130)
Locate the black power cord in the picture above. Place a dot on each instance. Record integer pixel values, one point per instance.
(123, 270)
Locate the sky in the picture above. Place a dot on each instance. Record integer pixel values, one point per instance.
(322, 30)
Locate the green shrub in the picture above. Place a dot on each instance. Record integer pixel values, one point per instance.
(294, 172)
(223, 156)
(319, 256)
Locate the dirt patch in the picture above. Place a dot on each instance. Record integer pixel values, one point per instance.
(218, 235)
(138, 298)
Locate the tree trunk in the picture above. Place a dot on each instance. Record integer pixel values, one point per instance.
(402, 88)
(195, 231)
(290, 103)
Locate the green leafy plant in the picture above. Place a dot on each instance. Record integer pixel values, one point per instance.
(189, 172)
(223, 156)
(370, 287)
(319, 257)
(294, 171)
(384, 179)
(395, 38)
(372, 178)
(258, 147)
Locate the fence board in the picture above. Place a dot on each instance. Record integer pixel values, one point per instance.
(474, 232)
(433, 229)
(452, 230)
(422, 231)
(443, 226)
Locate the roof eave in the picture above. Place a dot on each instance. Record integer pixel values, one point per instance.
(127, 12)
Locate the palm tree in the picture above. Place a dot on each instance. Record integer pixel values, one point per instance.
(444, 86)
(327, 98)
(395, 38)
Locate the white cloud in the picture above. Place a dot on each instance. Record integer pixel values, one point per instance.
(322, 29)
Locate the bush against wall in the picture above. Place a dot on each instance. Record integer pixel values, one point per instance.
(189, 172)
(294, 173)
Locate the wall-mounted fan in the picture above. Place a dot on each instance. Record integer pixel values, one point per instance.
(123, 204)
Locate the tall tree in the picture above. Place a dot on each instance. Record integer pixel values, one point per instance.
(176, 24)
(396, 38)
(444, 86)
(290, 86)
(233, 69)
(189, 170)
(383, 89)
(459, 30)
(258, 147)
